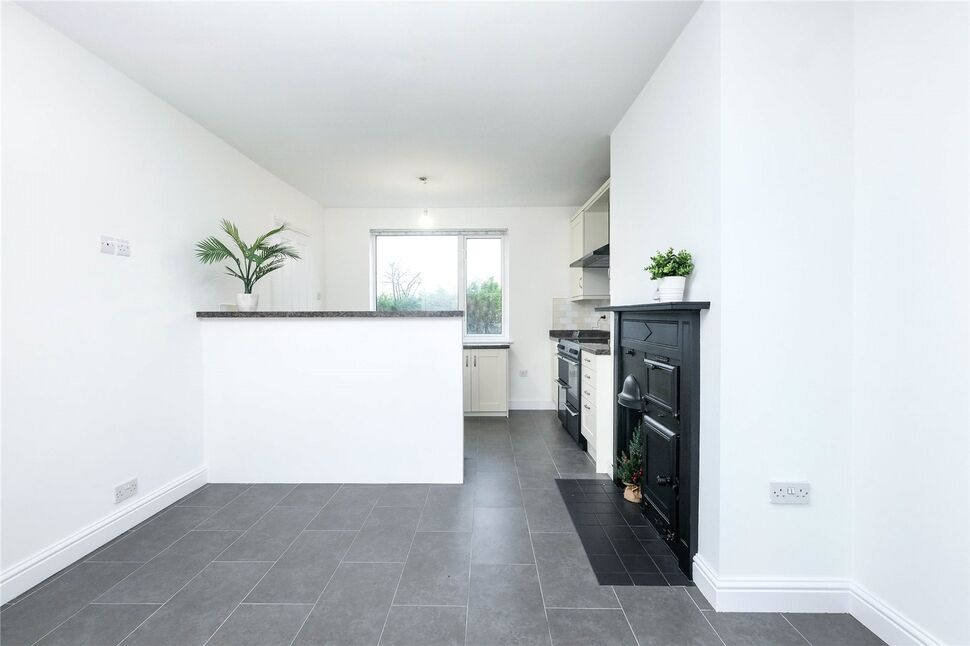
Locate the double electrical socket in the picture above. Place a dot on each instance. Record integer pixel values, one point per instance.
(789, 493)
(115, 246)
(126, 490)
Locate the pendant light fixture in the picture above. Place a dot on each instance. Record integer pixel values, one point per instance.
(425, 220)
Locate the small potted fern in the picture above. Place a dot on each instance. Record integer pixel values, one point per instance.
(254, 261)
(629, 467)
(671, 269)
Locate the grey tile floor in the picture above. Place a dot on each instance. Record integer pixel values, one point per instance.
(493, 561)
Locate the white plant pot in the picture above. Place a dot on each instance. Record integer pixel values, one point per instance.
(247, 302)
(671, 289)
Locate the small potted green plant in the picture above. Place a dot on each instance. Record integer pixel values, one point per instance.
(254, 261)
(629, 467)
(671, 269)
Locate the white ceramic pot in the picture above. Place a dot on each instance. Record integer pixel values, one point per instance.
(671, 288)
(247, 302)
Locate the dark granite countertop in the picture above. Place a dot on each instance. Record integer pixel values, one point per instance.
(581, 335)
(330, 314)
(595, 348)
(486, 346)
(657, 307)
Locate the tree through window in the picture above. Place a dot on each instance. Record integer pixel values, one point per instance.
(443, 271)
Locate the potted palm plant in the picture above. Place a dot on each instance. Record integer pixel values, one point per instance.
(629, 467)
(252, 263)
(671, 269)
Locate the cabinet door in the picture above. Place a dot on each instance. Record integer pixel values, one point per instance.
(576, 238)
(466, 374)
(575, 282)
(490, 375)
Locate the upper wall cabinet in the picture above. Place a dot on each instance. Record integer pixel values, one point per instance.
(589, 238)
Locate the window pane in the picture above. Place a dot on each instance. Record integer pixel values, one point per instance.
(417, 273)
(483, 285)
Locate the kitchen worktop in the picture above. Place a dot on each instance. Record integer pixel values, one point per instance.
(595, 348)
(487, 346)
(581, 335)
(326, 314)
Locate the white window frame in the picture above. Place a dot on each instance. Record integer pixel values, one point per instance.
(463, 236)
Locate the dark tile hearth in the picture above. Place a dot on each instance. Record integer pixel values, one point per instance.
(622, 546)
(499, 559)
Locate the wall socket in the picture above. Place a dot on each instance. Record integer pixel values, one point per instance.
(115, 247)
(126, 490)
(523, 373)
(789, 493)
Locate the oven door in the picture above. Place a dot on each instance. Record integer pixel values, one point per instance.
(568, 414)
(569, 378)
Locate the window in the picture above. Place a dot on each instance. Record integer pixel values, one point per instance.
(444, 270)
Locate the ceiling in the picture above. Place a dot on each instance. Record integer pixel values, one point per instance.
(499, 104)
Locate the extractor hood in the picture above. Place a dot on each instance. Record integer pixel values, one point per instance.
(597, 259)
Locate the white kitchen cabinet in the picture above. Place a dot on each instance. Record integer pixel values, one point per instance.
(589, 230)
(486, 381)
(466, 380)
(597, 397)
(589, 284)
(554, 372)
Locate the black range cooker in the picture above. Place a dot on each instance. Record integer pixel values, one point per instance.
(568, 354)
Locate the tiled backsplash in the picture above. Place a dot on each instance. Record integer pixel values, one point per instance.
(579, 315)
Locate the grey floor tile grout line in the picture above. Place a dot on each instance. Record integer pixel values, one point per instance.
(327, 584)
(400, 578)
(134, 531)
(807, 641)
(253, 524)
(532, 545)
(427, 605)
(197, 574)
(709, 623)
(295, 538)
(694, 600)
(468, 593)
(77, 563)
(625, 618)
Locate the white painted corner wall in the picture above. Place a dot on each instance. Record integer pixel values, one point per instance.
(538, 251)
(911, 313)
(101, 365)
(811, 155)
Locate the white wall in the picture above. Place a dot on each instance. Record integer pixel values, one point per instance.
(665, 191)
(101, 367)
(814, 157)
(349, 402)
(911, 276)
(538, 255)
(786, 164)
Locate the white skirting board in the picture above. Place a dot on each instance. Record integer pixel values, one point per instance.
(24, 575)
(532, 405)
(752, 595)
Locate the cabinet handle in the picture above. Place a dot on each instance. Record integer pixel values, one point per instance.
(475, 361)
(586, 406)
(466, 360)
